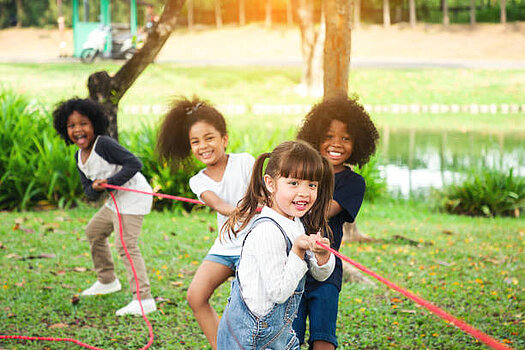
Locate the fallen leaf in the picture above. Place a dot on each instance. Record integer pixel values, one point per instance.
(13, 256)
(447, 232)
(58, 325)
(444, 263)
(59, 272)
(408, 311)
(75, 300)
(177, 283)
(16, 227)
(211, 228)
(20, 284)
(2, 246)
(79, 269)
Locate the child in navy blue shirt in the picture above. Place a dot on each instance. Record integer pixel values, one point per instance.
(342, 131)
(102, 160)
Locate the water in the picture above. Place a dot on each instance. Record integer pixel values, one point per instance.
(416, 161)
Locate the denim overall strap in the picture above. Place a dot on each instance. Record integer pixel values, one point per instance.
(241, 329)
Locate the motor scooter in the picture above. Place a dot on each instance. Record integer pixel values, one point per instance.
(121, 44)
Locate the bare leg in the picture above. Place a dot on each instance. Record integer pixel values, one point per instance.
(323, 345)
(208, 277)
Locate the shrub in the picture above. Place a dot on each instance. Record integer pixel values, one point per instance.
(36, 166)
(375, 185)
(487, 193)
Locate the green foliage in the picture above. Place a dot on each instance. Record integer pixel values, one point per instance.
(487, 193)
(375, 185)
(36, 166)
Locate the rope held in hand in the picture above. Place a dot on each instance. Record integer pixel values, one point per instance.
(485, 338)
(150, 329)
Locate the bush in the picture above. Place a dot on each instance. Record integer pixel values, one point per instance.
(36, 166)
(375, 185)
(487, 193)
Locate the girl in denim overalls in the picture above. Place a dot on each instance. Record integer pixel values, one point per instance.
(294, 190)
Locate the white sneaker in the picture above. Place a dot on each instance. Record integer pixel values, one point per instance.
(100, 288)
(133, 308)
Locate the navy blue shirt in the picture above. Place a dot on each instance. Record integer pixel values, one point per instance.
(349, 190)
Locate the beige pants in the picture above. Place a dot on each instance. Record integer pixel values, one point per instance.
(99, 229)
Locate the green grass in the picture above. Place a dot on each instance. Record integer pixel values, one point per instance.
(471, 267)
(248, 86)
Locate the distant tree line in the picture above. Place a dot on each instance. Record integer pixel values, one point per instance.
(44, 13)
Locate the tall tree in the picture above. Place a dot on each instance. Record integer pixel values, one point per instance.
(472, 12)
(268, 20)
(386, 13)
(446, 18)
(337, 44)
(19, 13)
(218, 14)
(357, 13)
(503, 11)
(311, 40)
(412, 12)
(191, 13)
(108, 90)
(242, 12)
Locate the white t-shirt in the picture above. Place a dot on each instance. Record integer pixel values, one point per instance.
(267, 275)
(230, 189)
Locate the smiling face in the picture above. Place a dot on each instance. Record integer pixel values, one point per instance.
(80, 131)
(207, 143)
(291, 197)
(337, 145)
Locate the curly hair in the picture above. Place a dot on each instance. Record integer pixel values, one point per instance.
(360, 127)
(89, 108)
(173, 142)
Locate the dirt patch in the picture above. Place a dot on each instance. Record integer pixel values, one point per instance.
(256, 43)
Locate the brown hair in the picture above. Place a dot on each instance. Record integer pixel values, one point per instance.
(173, 143)
(296, 159)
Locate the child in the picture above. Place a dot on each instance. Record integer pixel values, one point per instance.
(100, 160)
(295, 189)
(342, 131)
(196, 127)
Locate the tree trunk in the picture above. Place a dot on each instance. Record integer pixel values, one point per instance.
(412, 6)
(242, 12)
(191, 13)
(336, 62)
(446, 18)
(503, 11)
(109, 90)
(289, 13)
(268, 20)
(357, 13)
(472, 12)
(386, 13)
(310, 79)
(19, 13)
(218, 14)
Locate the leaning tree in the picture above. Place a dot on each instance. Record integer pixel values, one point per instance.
(109, 89)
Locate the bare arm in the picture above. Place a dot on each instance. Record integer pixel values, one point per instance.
(216, 203)
(334, 209)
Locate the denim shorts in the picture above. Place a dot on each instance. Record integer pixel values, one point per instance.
(320, 306)
(231, 261)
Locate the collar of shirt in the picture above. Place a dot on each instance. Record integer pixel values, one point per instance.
(293, 228)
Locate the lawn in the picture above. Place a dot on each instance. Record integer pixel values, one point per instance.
(252, 86)
(471, 267)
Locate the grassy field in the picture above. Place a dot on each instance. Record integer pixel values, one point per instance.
(249, 86)
(471, 267)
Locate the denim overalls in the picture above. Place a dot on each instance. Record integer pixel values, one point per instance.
(241, 329)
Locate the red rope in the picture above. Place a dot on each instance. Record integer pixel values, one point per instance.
(485, 338)
(150, 329)
(182, 199)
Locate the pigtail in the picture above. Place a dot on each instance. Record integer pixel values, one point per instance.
(173, 144)
(255, 195)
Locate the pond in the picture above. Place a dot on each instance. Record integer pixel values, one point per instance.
(414, 161)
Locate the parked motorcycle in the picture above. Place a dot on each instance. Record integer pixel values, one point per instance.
(121, 44)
